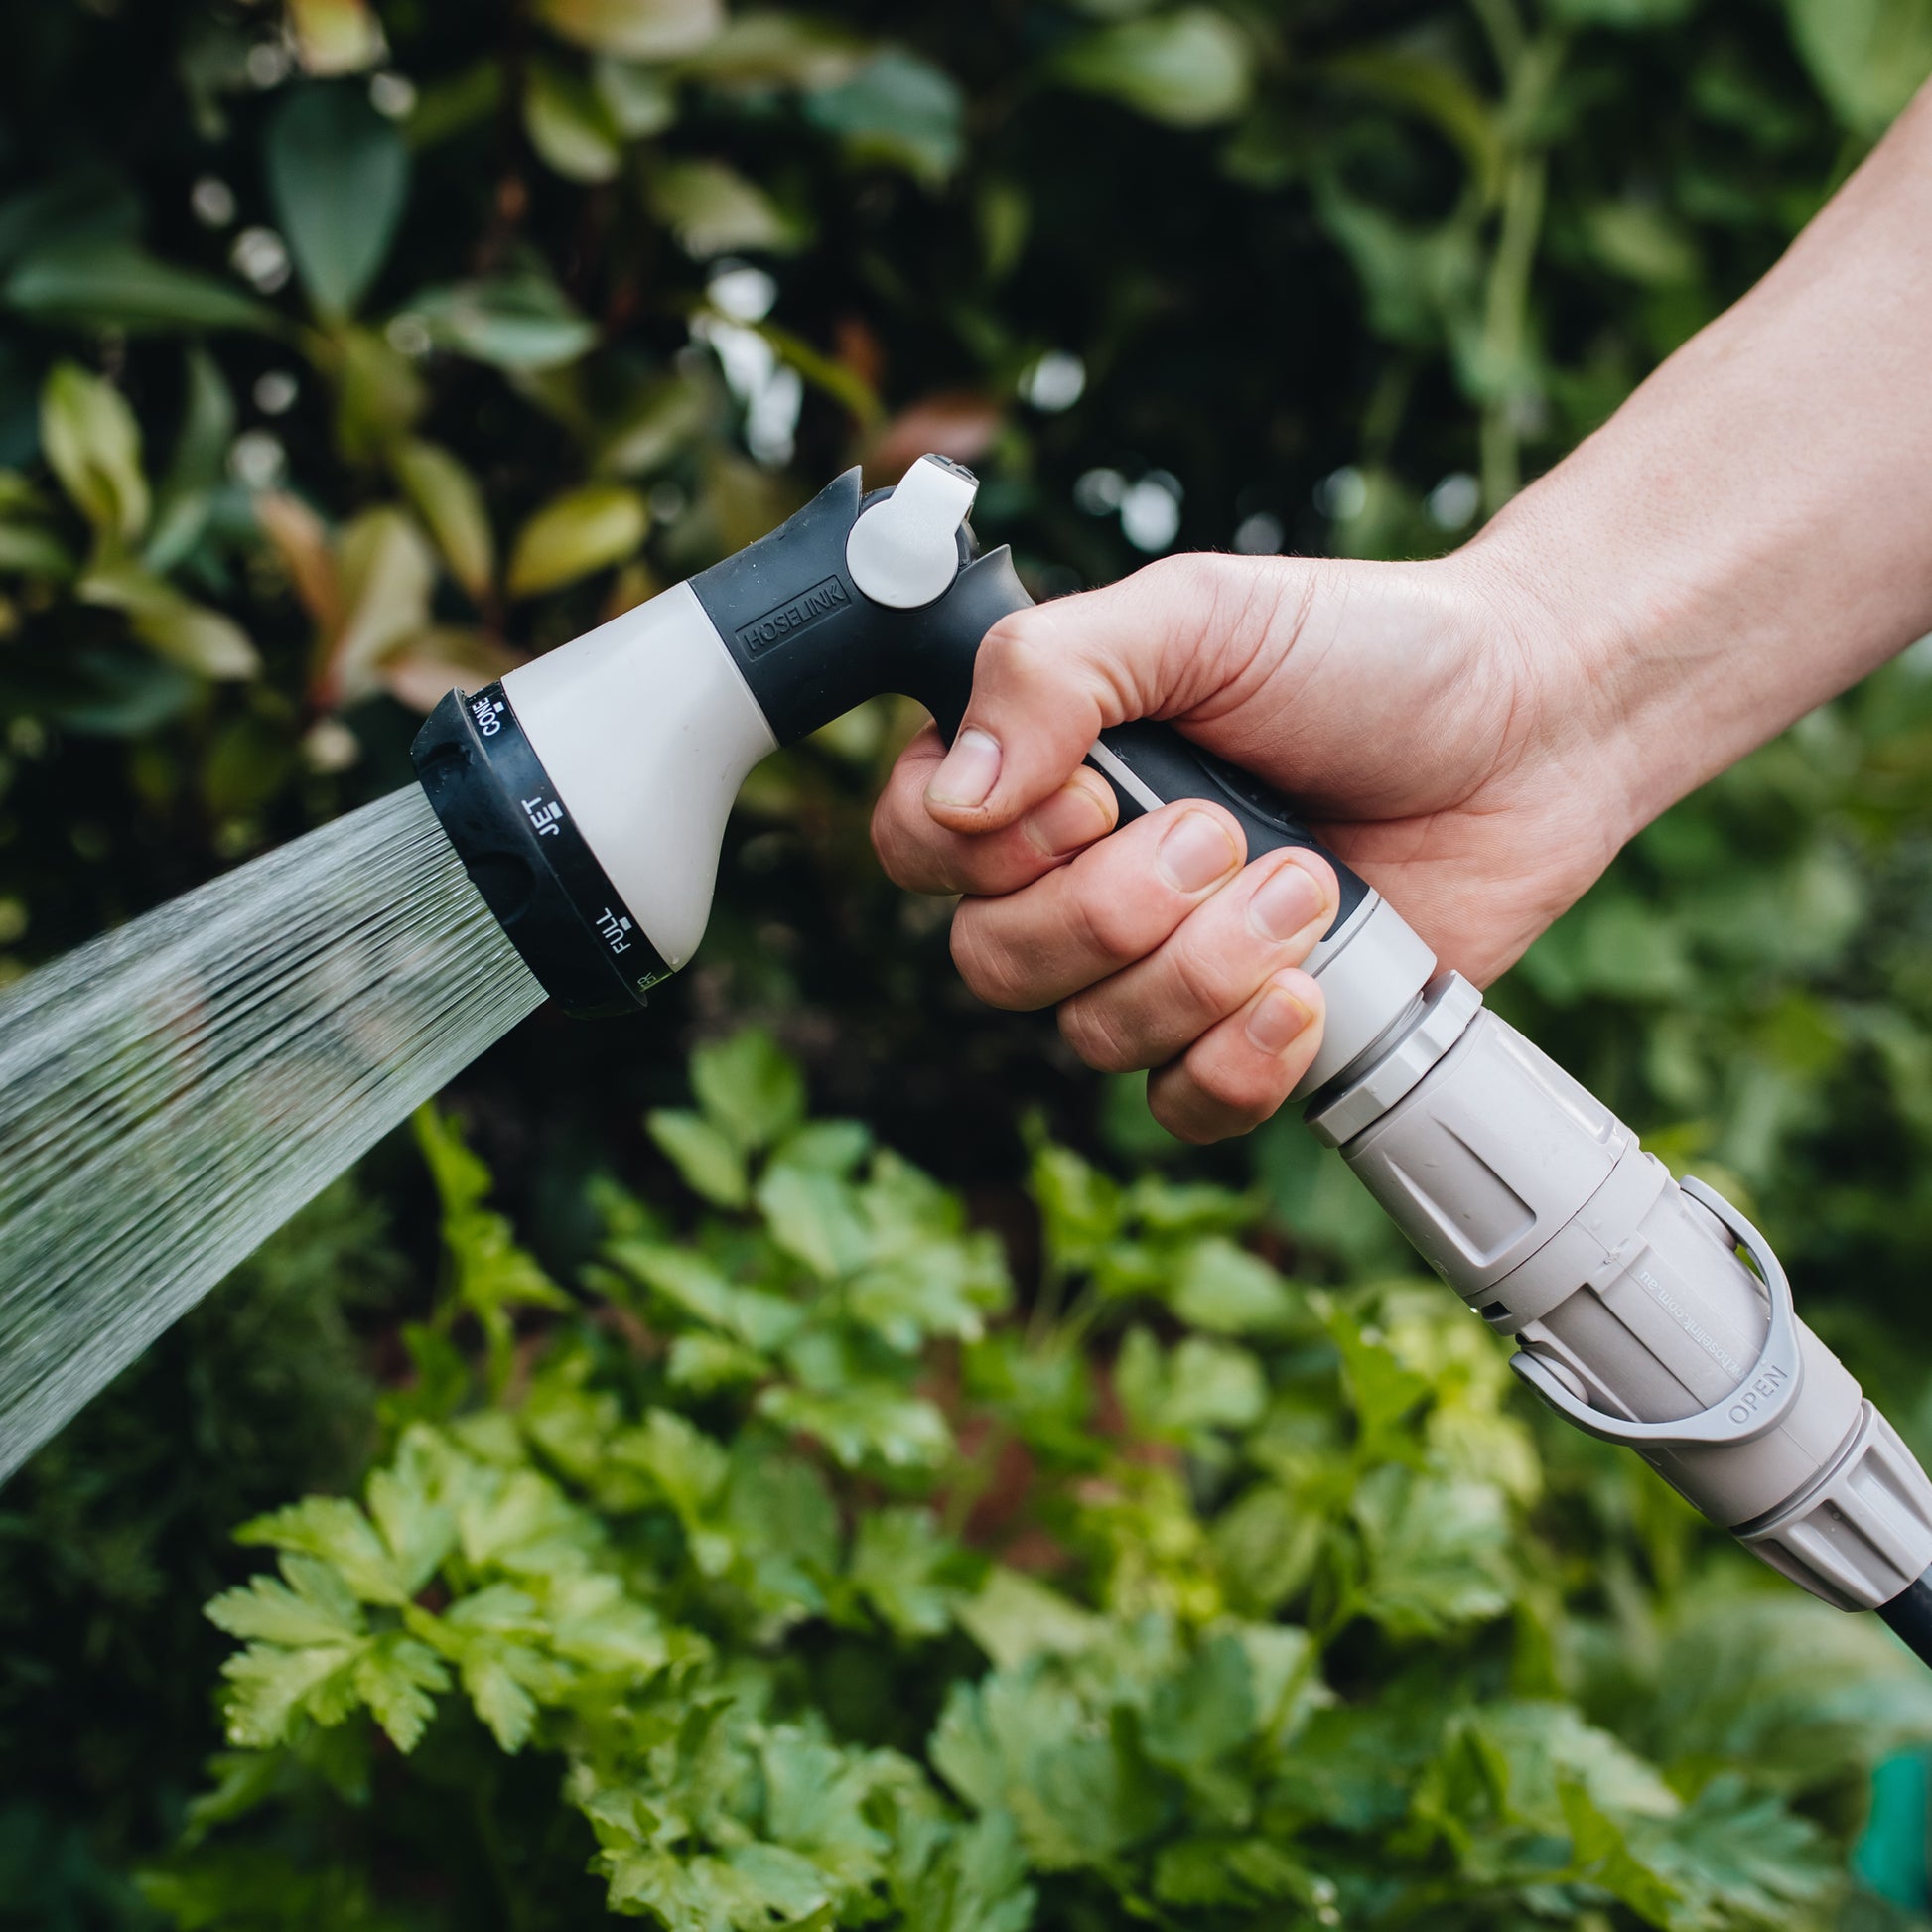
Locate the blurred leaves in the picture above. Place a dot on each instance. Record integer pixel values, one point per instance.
(449, 502)
(1191, 66)
(616, 1536)
(93, 445)
(338, 174)
(576, 533)
(1868, 56)
(635, 30)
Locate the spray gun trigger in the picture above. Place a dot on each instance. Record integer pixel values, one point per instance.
(904, 550)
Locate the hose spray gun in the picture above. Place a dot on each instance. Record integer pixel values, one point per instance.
(587, 795)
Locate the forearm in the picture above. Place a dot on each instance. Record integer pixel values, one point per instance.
(1752, 532)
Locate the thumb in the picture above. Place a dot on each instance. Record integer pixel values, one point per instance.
(1049, 680)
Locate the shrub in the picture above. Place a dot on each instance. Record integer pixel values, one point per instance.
(790, 1574)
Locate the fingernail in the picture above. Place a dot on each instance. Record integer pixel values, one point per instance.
(969, 771)
(1071, 818)
(1277, 1019)
(1285, 903)
(1197, 852)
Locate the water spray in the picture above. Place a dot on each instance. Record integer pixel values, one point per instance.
(587, 794)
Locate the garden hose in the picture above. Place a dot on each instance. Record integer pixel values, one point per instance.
(587, 795)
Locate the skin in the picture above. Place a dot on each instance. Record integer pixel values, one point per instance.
(1478, 735)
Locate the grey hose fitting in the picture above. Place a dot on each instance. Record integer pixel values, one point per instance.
(1635, 1316)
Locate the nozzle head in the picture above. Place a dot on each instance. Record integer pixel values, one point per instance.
(524, 854)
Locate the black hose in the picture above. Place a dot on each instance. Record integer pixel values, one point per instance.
(1910, 1614)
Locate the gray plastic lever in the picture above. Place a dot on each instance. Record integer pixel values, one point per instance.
(1751, 1409)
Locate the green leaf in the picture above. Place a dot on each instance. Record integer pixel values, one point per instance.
(713, 209)
(312, 1607)
(395, 1677)
(419, 1531)
(594, 1623)
(112, 284)
(1200, 1386)
(335, 36)
(749, 1086)
(569, 124)
(1599, 1848)
(93, 444)
(1014, 1617)
(449, 499)
(574, 534)
(1190, 68)
(897, 1563)
(703, 1154)
(334, 1531)
(338, 174)
(1437, 1550)
(1221, 1286)
(515, 321)
(972, 1882)
(864, 1423)
(764, 48)
(637, 30)
(1021, 1743)
(1206, 1710)
(762, 1321)
(33, 552)
(1079, 1206)
(1736, 1854)
(816, 1218)
(688, 1465)
(186, 497)
(386, 574)
(741, 1892)
(269, 1686)
(640, 101)
(188, 635)
(1867, 57)
(897, 109)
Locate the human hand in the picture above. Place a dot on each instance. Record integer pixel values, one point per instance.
(1431, 721)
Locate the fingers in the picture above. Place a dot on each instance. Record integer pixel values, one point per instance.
(1218, 957)
(1106, 910)
(1049, 680)
(1241, 1071)
(924, 856)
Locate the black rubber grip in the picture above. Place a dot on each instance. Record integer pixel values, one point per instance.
(811, 645)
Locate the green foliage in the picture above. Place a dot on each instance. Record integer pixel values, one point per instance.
(822, 1594)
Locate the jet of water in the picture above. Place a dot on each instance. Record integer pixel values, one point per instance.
(173, 1092)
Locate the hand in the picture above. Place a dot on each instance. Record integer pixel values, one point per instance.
(1435, 725)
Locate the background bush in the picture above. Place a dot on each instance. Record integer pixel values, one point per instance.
(346, 356)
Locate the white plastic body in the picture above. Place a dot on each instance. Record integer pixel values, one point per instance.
(648, 731)
(1372, 972)
(1535, 1203)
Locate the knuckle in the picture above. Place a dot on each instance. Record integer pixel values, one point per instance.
(986, 966)
(1177, 1109)
(1106, 928)
(889, 842)
(1240, 1088)
(1201, 978)
(1096, 1039)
